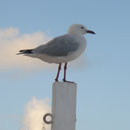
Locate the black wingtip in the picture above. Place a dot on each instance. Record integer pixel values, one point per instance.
(29, 51)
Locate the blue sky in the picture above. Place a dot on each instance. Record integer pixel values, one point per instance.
(103, 82)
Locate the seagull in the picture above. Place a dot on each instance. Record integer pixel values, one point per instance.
(61, 49)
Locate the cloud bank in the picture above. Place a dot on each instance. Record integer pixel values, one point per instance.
(11, 41)
(33, 115)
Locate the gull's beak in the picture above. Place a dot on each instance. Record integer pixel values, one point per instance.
(89, 31)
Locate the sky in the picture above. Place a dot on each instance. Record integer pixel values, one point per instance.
(102, 74)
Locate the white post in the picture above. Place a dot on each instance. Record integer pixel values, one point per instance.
(64, 106)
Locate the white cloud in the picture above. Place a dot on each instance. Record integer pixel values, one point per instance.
(8, 33)
(11, 41)
(33, 115)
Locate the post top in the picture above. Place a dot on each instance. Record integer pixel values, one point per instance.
(64, 84)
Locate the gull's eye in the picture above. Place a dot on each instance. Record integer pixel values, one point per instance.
(82, 27)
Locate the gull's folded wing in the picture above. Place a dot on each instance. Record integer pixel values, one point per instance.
(59, 46)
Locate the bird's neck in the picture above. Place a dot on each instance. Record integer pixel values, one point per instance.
(76, 35)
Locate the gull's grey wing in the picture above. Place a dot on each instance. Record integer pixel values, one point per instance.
(59, 46)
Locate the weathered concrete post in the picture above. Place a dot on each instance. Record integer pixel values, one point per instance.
(64, 106)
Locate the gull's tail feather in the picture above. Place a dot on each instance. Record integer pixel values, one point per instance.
(27, 51)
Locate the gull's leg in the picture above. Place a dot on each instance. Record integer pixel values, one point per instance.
(65, 68)
(59, 68)
(64, 79)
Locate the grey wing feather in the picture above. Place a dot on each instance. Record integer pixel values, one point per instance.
(60, 46)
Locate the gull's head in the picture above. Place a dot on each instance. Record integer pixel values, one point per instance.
(79, 29)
